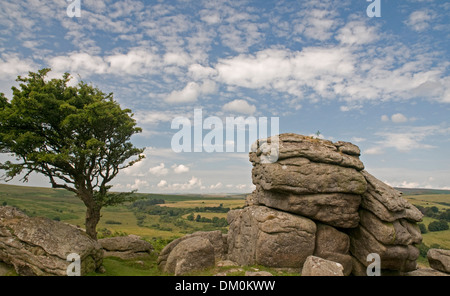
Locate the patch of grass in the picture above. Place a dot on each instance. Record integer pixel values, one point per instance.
(137, 267)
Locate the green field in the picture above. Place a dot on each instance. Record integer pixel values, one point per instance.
(62, 205)
(440, 201)
(173, 222)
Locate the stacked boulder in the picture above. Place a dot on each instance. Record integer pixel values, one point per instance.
(317, 199)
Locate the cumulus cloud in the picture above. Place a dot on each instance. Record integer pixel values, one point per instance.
(420, 20)
(136, 61)
(399, 118)
(316, 23)
(373, 151)
(162, 184)
(12, 65)
(239, 106)
(216, 186)
(191, 92)
(138, 184)
(159, 170)
(357, 32)
(384, 118)
(180, 169)
(395, 118)
(193, 183)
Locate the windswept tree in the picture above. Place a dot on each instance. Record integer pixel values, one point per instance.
(78, 137)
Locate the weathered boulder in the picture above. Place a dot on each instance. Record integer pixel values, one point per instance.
(398, 232)
(126, 247)
(393, 257)
(216, 238)
(40, 246)
(439, 259)
(290, 145)
(316, 266)
(192, 254)
(333, 245)
(425, 272)
(260, 235)
(302, 176)
(386, 202)
(336, 209)
(387, 227)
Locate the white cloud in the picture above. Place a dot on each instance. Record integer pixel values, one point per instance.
(135, 169)
(191, 92)
(420, 20)
(11, 66)
(216, 186)
(209, 17)
(407, 138)
(373, 151)
(357, 32)
(241, 186)
(176, 58)
(399, 118)
(406, 184)
(180, 169)
(193, 183)
(162, 183)
(78, 63)
(289, 71)
(138, 184)
(159, 170)
(396, 118)
(316, 23)
(239, 106)
(358, 139)
(199, 72)
(135, 62)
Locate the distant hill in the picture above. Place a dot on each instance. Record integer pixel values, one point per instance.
(420, 191)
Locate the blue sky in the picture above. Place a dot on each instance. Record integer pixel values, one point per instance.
(381, 83)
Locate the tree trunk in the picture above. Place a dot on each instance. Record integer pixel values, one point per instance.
(92, 219)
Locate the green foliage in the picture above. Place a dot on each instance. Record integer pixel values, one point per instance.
(444, 215)
(77, 136)
(423, 249)
(423, 228)
(438, 225)
(433, 212)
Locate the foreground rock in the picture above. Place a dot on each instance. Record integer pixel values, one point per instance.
(40, 246)
(315, 266)
(260, 235)
(192, 254)
(216, 239)
(425, 272)
(126, 247)
(439, 259)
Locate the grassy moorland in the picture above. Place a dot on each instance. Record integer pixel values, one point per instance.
(161, 218)
(166, 220)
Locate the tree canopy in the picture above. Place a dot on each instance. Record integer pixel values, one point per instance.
(77, 136)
